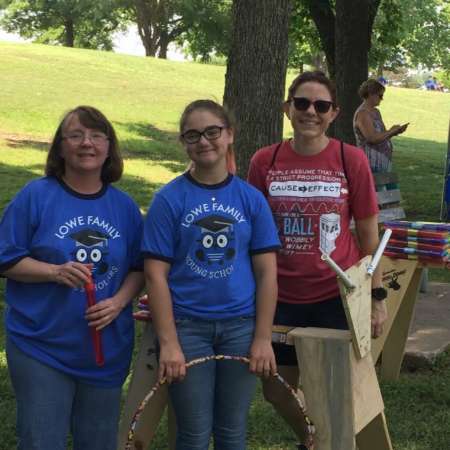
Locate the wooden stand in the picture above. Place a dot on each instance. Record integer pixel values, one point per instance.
(144, 376)
(341, 391)
(337, 370)
(338, 375)
(401, 278)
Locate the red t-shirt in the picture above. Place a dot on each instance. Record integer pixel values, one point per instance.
(311, 200)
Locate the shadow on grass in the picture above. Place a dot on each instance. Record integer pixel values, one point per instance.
(153, 144)
(14, 178)
(17, 143)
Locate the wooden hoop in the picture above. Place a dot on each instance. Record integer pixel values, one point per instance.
(194, 362)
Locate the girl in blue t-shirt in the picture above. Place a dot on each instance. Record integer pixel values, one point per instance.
(209, 247)
(61, 235)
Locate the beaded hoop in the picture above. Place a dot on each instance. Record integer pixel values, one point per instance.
(194, 362)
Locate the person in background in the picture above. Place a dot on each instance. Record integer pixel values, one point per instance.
(315, 185)
(370, 132)
(209, 248)
(57, 233)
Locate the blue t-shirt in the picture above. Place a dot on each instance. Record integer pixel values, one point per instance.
(208, 235)
(49, 222)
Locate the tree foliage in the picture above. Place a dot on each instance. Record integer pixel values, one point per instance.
(409, 33)
(197, 26)
(73, 23)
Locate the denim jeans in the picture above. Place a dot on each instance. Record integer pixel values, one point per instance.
(50, 404)
(214, 398)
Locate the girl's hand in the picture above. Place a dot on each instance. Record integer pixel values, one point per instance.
(172, 364)
(262, 358)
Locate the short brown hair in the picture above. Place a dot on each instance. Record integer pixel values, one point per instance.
(89, 117)
(370, 87)
(315, 76)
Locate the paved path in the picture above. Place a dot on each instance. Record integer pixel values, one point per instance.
(430, 332)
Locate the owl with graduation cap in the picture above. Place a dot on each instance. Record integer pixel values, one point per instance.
(91, 247)
(216, 239)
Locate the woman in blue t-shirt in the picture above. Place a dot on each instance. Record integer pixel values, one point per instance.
(209, 248)
(62, 232)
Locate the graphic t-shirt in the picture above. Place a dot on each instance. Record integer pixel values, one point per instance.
(49, 222)
(312, 202)
(208, 234)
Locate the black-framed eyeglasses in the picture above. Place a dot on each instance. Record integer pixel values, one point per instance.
(210, 133)
(303, 103)
(97, 138)
(380, 95)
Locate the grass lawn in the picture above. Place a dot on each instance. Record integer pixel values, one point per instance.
(144, 98)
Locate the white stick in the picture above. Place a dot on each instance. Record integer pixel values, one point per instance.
(339, 272)
(377, 256)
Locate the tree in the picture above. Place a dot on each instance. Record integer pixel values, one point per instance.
(409, 33)
(304, 40)
(160, 22)
(256, 73)
(345, 33)
(208, 30)
(72, 23)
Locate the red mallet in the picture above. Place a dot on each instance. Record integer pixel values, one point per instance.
(95, 334)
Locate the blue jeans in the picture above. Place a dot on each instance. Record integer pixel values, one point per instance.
(215, 397)
(50, 403)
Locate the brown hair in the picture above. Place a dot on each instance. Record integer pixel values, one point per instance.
(221, 113)
(370, 87)
(89, 117)
(317, 77)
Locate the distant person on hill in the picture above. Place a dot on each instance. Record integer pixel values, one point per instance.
(370, 131)
(382, 80)
(430, 83)
(210, 263)
(60, 232)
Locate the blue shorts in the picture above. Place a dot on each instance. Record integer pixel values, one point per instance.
(325, 314)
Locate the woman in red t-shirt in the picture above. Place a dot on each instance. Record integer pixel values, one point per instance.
(315, 185)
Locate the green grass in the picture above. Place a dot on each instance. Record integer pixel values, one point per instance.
(144, 98)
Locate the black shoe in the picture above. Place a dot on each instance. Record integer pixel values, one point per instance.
(301, 447)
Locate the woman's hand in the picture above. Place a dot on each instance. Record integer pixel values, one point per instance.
(397, 129)
(379, 316)
(262, 358)
(72, 274)
(103, 313)
(172, 364)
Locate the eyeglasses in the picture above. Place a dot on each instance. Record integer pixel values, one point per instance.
(96, 138)
(303, 103)
(380, 96)
(210, 133)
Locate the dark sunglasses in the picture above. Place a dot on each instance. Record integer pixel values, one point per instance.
(321, 106)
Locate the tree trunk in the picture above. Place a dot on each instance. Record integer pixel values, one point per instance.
(164, 41)
(323, 16)
(256, 74)
(69, 35)
(146, 13)
(352, 47)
